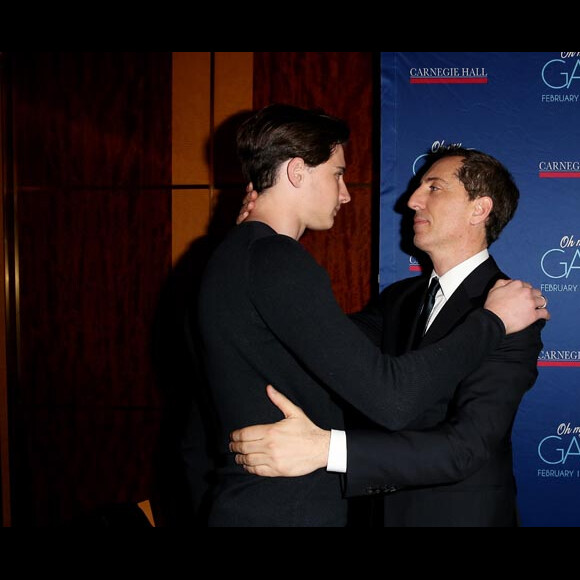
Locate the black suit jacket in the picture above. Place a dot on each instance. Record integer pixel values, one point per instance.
(452, 466)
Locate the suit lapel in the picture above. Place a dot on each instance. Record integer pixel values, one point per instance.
(401, 314)
(471, 294)
(411, 313)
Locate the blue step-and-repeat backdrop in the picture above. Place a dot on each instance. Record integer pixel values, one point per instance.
(524, 109)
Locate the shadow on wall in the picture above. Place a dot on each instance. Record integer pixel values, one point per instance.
(186, 457)
(407, 232)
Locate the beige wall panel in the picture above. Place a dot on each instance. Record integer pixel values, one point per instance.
(191, 212)
(191, 117)
(233, 95)
(5, 516)
(234, 78)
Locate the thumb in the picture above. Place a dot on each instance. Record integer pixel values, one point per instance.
(502, 282)
(288, 408)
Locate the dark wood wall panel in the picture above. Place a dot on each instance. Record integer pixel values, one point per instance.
(93, 152)
(93, 118)
(87, 459)
(90, 274)
(345, 250)
(343, 84)
(93, 157)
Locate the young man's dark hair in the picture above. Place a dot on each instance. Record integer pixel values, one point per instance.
(281, 132)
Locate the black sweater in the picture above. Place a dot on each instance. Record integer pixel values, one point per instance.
(268, 315)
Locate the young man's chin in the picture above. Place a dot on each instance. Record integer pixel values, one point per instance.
(322, 227)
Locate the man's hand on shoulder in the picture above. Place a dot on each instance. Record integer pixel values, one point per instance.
(248, 204)
(517, 303)
(292, 447)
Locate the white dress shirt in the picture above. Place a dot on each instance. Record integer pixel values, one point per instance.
(338, 454)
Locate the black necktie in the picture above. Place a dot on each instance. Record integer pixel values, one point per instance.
(434, 287)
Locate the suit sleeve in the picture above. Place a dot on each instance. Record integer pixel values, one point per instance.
(293, 296)
(481, 419)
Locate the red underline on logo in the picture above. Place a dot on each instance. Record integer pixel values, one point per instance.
(559, 175)
(449, 81)
(415, 269)
(558, 364)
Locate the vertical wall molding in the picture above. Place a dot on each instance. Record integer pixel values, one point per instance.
(208, 89)
(6, 227)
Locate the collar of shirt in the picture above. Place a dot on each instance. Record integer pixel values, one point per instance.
(453, 279)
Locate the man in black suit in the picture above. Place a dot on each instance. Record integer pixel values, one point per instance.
(451, 466)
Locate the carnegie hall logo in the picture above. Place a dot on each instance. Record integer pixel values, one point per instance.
(563, 169)
(559, 358)
(414, 265)
(561, 79)
(464, 75)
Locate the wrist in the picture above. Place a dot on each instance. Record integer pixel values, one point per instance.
(501, 324)
(324, 446)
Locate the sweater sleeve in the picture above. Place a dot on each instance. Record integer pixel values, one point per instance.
(293, 295)
(370, 321)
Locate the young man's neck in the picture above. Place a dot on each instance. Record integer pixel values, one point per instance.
(281, 217)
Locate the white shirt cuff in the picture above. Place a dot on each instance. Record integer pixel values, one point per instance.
(337, 454)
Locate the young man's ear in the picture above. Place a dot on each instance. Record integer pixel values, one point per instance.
(482, 209)
(296, 169)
